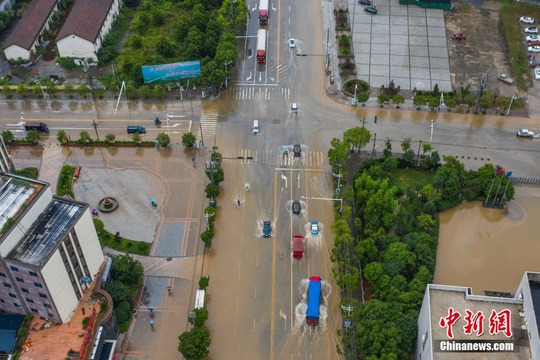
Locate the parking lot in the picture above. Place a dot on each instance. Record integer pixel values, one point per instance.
(406, 44)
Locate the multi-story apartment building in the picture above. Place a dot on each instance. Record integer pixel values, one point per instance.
(49, 250)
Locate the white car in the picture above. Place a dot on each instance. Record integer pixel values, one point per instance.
(314, 228)
(533, 48)
(526, 20)
(525, 133)
(531, 30)
(292, 43)
(537, 73)
(532, 38)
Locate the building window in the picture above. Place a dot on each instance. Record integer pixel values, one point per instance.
(2, 301)
(19, 279)
(25, 290)
(29, 300)
(2, 275)
(7, 285)
(42, 295)
(13, 268)
(16, 305)
(47, 306)
(12, 295)
(34, 274)
(33, 310)
(38, 285)
(50, 315)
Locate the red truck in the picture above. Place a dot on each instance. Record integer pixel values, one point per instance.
(298, 247)
(263, 12)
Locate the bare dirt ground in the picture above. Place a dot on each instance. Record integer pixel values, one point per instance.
(484, 52)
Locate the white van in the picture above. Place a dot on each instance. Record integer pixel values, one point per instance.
(294, 107)
(255, 127)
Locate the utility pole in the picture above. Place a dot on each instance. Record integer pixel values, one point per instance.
(226, 63)
(514, 97)
(362, 134)
(431, 134)
(375, 137)
(95, 125)
(327, 49)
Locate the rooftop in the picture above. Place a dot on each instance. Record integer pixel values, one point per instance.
(9, 325)
(441, 298)
(47, 232)
(15, 192)
(78, 22)
(535, 295)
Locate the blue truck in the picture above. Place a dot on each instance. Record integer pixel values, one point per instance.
(313, 301)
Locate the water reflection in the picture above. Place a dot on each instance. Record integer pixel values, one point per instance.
(489, 249)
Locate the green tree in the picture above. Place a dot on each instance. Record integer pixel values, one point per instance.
(212, 191)
(204, 281)
(69, 89)
(32, 136)
(206, 237)
(83, 90)
(36, 90)
(122, 311)
(136, 137)
(362, 97)
(357, 137)
(194, 344)
(119, 291)
(216, 174)
(201, 315)
(145, 91)
(407, 159)
(163, 139)
(110, 138)
(7, 136)
(398, 99)
(84, 137)
(22, 89)
(398, 259)
(160, 92)
(62, 137)
(126, 269)
(426, 147)
(188, 139)
(339, 151)
(382, 99)
(419, 100)
(6, 90)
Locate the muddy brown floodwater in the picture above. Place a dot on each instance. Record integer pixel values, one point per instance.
(488, 249)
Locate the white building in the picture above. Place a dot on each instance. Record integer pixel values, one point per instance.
(82, 35)
(6, 5)
(49, 250)
(28, 34)
(479, 321)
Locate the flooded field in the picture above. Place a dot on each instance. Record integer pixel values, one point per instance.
(489, 249)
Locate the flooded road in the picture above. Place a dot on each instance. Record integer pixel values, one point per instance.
(489, 249)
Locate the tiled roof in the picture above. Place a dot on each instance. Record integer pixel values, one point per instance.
(85, 19)
(31, 23)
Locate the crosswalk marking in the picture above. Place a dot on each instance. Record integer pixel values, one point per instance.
(273, 158)
(254, 92)
(209, 118)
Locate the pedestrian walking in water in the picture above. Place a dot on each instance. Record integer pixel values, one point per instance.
(152, 324)
(169, 288)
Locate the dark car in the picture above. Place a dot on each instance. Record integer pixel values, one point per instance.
(459, 37)
(370, 9)
(296, 207)
(297, 150)
(267, 228)
(364, 2)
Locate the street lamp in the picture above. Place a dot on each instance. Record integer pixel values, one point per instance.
(180, 90)
(41, 86)
(354, 98)
(226, 63)
(431, 135)
(168, 128)
(514, 97)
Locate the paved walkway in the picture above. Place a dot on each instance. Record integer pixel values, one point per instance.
(173, 228)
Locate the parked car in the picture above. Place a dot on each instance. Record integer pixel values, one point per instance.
(292, 43)
(267, 228)
(531, 30)
(297, 150)
(533, 49)
(537, 73)
(364, 2)
(296, 207)
(525, 133)
(371, 10)
(314, 227)
(533, 43)
(526, 20)
(459, 37)
(532, 38)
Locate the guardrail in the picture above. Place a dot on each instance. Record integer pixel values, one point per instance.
(519, 180)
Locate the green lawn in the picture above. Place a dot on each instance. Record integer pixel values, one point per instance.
(404, 178)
